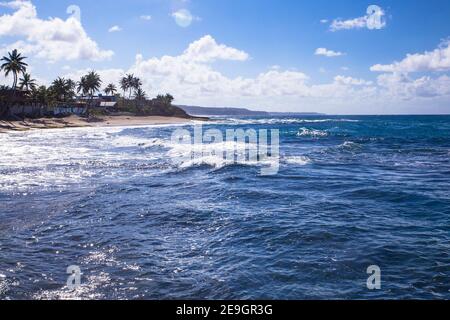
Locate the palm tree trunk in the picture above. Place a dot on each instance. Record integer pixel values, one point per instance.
(11, 104)
(15, 81)
(88, 108)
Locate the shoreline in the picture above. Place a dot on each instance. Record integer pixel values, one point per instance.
(80, 122)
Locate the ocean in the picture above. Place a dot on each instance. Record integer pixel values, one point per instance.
(351, 192)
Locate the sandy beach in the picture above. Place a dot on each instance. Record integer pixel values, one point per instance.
(77, 122)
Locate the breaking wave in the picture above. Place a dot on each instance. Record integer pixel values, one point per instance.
(305, 132)
(284, 121)
(298, 160)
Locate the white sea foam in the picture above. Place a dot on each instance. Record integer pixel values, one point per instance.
(87, 291)
(185, 156)
(47, 159)
(59, 158)
(350, 145)
(305, 132)
(298, 160)
(131, 141)
(274, 121)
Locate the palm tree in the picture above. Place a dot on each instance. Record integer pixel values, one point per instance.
(124, 85)
(60, 88)
(82, 86)
(70, 87)
(166, 100)
(27, 83)
(130, 81)
(89, 85)
(139, 96)
(64, 88)
(14, 63)
(110, 89)
(136, 84)
(94, 82)
(44, 97)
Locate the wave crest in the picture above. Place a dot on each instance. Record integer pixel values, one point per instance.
(305, 132)
(284, 121)
(298, 160)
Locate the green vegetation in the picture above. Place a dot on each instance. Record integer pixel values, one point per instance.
(63, 92)
(111, 89)
(26, 83)
(14, 63)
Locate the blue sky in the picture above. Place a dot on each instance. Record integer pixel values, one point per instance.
(274, 65)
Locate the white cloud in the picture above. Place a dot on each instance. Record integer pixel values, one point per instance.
(192, 79)
(397, 82)
(324, 21)
(184, 18)
(206, 49)
(402, 86)
(373, 20)
(53, 39)
(436, 60)
(115, 29)
(146, 17)
(357, 23)
(351, 81)
(328, 53)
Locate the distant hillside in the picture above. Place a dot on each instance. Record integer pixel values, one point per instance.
(293, 114)
(212, 111)
(205, 111)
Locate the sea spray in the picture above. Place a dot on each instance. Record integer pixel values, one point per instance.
(248, 147)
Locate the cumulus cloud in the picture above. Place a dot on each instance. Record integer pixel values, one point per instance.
(351, 81)
(328, 53)
(404, 87)
(436, 60)
(146, 17)
(396, 81)
(53, 39)
(115, 29)
(207, 49)
(192, 79)
(373, 20)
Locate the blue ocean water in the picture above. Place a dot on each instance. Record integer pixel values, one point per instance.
(351, 192)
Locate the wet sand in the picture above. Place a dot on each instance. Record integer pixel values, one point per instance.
(78, 122)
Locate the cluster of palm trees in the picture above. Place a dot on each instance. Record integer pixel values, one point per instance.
(129, 83)
(66, 90)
